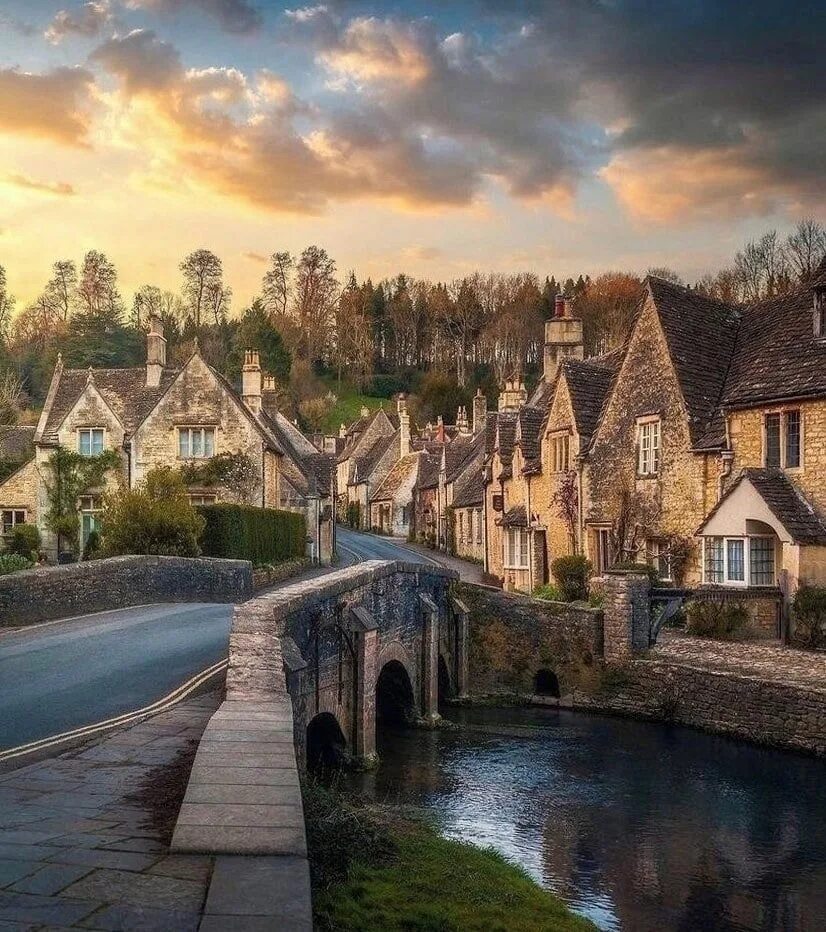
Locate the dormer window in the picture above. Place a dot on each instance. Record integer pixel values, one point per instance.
(648, 446)
(90, 441)
(196, 443)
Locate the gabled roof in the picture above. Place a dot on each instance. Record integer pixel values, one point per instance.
(529, 433)
(589, 383)
(400, 473)
(700, 333)
(469, 485)
(367, 460)
(312, 470)
(784, 501)
(429, 467)
(776, 355)
(124, 391)
(17, 443)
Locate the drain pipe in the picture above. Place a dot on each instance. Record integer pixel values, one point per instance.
(727, 457)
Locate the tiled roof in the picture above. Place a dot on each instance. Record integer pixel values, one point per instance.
(819, 277)
(366, 461)
(589, 382)
(776, 355)
(514, 517)
(530, 427)
(124, 390)
(17, 443)
(311, 471)
(400, 473)
(700, 333)
(784, 501)
(469, 488)
(429, 467)
(542, 394)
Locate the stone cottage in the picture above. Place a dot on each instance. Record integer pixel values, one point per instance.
(157, 415)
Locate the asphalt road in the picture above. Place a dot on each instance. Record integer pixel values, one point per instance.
(68, 674)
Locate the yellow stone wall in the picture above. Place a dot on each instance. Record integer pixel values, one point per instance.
(20, 490)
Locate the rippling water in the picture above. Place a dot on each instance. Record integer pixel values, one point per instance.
(637, 826)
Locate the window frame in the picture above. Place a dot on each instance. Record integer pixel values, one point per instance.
(91, 431)
(649, 458)
(201, 496)
(654, 558)
(89, 508)
(604, 558)
(747, 581)
(14, 512)
(783, 415)
(522, 548)
(559, 452)
(191, 430)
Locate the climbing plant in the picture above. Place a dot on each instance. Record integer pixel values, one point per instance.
(72, 475)
(236, 473)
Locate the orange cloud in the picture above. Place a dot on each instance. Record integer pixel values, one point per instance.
(55, 105)
(379, 50)
(59, 188)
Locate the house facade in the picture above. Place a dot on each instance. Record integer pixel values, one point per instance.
(184, 418)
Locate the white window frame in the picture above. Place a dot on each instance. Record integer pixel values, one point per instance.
(191, 431)
(560, 452)
(14, 522)
(89, 507)
(91, 431)
(746, 582)
(516, 539)
(198, 498)
(653, 547)
(649, 445)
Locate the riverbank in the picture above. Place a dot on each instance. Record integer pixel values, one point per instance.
(372, 868)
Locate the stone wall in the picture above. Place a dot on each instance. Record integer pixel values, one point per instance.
(787, 715)
(46, 593)
(512, 637)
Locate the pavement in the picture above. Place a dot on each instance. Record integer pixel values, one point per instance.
(84, 837)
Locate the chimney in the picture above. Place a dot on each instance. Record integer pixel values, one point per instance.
(155, 352)
(401, 403)
(563, 338)
(251, 381)
(404, 430)
(440, 429)
(342, 431)
(513, 395)
(365, 411)
(480, 411)
(462, 421)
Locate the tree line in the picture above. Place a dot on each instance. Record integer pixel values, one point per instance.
(308, 322)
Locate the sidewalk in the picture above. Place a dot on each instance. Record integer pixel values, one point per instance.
(84, 837)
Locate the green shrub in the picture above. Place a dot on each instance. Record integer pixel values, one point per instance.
(91, 549)
(548, 592)
(12, 562)
(262, 535)
(25, 541)
(571, 574)
(155, 518)
(353, 518)
(809, 611)
(717, 618)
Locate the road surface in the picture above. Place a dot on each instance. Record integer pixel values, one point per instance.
(64, 675)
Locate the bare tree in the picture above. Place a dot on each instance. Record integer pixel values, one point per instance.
(203, 284)
(566, 499)
(97, 290)
(314, 302)
(806, 246)
(61, 288)
(11, 394)
(7, 303)
(275, 286)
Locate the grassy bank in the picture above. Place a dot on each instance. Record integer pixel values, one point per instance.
(374, 871)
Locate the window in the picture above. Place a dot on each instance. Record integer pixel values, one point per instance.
(197, 499)
(604, 557)
(761, 561)
(89, 507)
(772, 457)
(90, 441)
(659, 558)
(782, 443)
(561, 452)
(737, 560)
(478, 525)
(516, 548)
(11, 518)
(461, 527)
(196, 443)
(648, 447)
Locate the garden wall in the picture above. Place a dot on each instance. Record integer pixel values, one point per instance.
(513, 636)
(46, 593)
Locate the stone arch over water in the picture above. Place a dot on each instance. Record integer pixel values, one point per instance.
(395, 700)
(325, 742)
(546, 683)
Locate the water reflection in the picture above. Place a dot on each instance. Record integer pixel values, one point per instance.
(637, 826)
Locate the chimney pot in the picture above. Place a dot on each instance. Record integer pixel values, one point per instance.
(559, 306)
(251, 381)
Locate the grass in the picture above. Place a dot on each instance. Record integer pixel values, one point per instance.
(401, 876)
(348, 406)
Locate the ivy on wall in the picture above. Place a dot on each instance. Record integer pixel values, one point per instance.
(236, 473)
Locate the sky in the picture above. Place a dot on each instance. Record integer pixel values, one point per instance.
(434, 138)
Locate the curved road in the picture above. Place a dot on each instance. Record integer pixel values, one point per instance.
(63, 675)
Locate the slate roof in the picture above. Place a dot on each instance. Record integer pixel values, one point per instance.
(400, 473)
(514, 517)
(776, 355)
(784, 502)
(313, 470)
(701, 334)
(429, 467)
(124, 390)
(366, 461)
(542, 394)
(17, 443)
(530, 431)
(589, 383)
(469, 487)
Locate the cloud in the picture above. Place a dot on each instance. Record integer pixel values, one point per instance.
(88, 21)
(235, 16)
(55, 105)
(256, 257)
(58, 188)
(423, 253)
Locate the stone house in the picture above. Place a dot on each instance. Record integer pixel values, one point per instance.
(391, 505)
(372, 444)
(156, 415)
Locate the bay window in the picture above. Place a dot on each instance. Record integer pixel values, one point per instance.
(195, 443)
(739, 561)
(515, 555)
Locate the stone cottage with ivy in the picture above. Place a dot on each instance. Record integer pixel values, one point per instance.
(100, 427)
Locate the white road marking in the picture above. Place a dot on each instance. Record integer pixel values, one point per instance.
(161, 705)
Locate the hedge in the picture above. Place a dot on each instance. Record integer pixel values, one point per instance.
(262, 535)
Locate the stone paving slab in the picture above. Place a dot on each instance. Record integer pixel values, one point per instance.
(80, 846)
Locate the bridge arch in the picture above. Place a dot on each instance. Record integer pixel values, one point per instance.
(326, 746)
(546, 683)
(446, 687)
(395, 650)
(395, 699)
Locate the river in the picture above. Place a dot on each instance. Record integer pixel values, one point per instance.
(637, 826)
